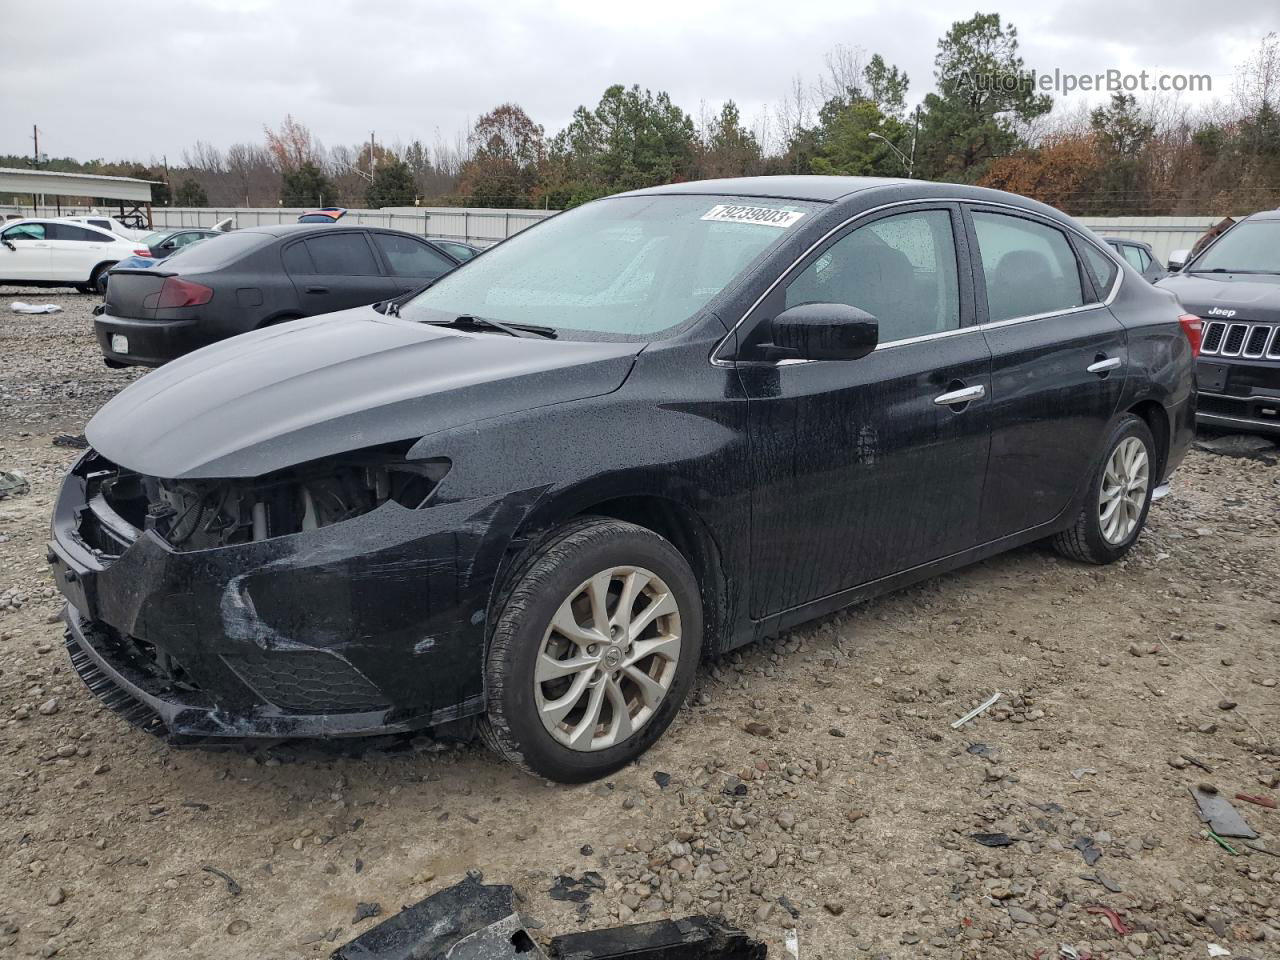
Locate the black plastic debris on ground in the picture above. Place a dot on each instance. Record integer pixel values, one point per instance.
(567, 888)
(476, 921)
(468, 921)
(661, 779)
(992, 839)
(1088, 849)
(692, 938)
(366, 910)
(1222, 818)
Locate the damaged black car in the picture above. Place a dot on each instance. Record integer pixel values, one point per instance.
(648, 430)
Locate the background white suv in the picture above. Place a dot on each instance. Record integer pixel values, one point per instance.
(108, 223)
(55, 253)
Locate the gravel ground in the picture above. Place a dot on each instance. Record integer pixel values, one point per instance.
(812, 783)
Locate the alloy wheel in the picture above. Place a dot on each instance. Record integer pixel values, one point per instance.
(1124, 490)
(608, 658)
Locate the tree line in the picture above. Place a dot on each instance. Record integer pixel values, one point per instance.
(1150, 156)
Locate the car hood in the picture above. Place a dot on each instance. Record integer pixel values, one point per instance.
(1215, 296)
(324, 385)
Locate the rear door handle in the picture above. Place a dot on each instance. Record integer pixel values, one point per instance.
(953, 397)
(317, 289)
(1104, 366)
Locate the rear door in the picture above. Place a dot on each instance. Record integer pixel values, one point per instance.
(1058, 360)
(25, 253)
(336, 270)
(411, 262)
(75, 251)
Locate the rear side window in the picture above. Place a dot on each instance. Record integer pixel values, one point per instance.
(297, 260)
(407, 257)
(901, 270)
(342, 255)
(101, 224)
(64, 231)
(1102, 269)
(1029, 267)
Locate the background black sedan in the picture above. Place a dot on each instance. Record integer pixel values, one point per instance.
(249, 279)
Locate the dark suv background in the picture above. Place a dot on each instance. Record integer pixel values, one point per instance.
(249, 279)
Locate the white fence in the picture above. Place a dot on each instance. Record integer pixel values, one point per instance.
(480, 226)
(485, 226)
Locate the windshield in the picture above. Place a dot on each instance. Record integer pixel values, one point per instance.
(1249, 247)
(626, 267)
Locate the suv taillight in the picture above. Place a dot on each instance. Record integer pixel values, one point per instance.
(1193, 327)
(183, 293)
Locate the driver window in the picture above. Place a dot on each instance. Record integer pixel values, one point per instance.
(900, 269)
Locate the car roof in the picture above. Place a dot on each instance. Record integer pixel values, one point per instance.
(1264, 215)
(827, 189)
(299, 229)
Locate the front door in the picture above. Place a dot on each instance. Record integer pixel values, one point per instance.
(1057, 365)
(25, 252)
(867, 467)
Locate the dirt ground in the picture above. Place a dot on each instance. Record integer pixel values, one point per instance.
(812, 783)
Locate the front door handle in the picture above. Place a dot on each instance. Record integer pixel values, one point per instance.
(954, 397)
(1104, 365)
(317, 289)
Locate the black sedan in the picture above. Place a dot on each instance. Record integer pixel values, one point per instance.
(255, 278)
(656, 427)
(1233, 285)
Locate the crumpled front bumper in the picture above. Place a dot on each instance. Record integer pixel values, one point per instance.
(373, 625)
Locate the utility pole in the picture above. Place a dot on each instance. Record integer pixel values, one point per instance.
(35, 139)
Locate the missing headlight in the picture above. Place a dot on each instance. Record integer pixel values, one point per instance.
(196, 514)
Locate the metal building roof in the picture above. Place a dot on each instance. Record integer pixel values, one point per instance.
(92, 185)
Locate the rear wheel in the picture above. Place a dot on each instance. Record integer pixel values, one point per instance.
(1119, 497)
(98, 279)
(593, 652)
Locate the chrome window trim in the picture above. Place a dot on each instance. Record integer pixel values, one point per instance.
(1103, 248)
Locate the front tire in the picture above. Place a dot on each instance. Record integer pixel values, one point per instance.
(593, 652)
(1119, 497)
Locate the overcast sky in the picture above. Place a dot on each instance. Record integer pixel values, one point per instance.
(122, 81)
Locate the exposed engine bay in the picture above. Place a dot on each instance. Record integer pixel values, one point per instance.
(200, 514)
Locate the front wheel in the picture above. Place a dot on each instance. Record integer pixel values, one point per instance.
(593, 652)
(1119, 497)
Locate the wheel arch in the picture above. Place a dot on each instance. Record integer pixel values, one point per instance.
(99, 268)
(1154, 415)
(671, 518)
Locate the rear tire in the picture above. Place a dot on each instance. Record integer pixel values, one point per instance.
(1118, 499)
(98, 279)
(576, 699)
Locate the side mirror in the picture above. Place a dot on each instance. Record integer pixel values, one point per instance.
(1178, 259)
(823, 331)
(9, 244)
(167, 245)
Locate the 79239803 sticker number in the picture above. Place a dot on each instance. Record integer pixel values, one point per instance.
(763, 216)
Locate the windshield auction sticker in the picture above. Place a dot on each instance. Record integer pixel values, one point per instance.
(763, 216)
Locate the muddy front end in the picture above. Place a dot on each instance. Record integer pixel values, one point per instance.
(325, 600)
